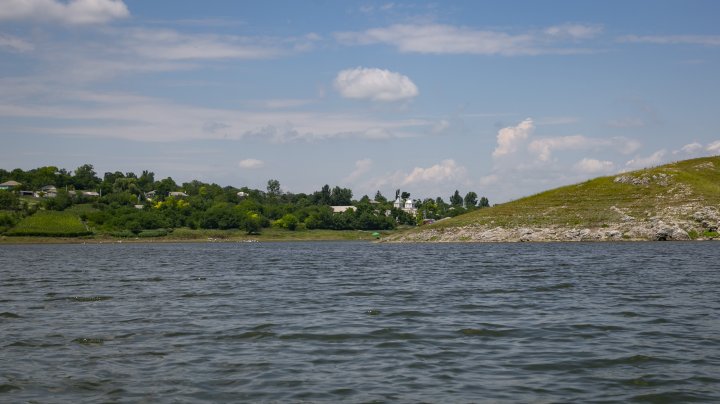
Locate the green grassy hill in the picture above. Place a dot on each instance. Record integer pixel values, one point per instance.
(674, 201)
(50, 224)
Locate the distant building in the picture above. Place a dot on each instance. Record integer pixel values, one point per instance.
(407, 205)
(242, 195)
(48, 191)
(178, 194)
(8, 185)
(342, 209)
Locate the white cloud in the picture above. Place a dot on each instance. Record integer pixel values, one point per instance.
(447, 170)
(714, 147)
(689, 149)
(649, 161)
(168, 44)
(705, 40)
(126, 116)
(361, 168)
(448, 39)
(74, 12)
(251, 163)
(375, 84)
(574, 31)
(542, 148)
(593, 166)
(510, 138)
(15, 44)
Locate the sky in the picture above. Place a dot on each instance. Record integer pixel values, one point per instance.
(503, 98)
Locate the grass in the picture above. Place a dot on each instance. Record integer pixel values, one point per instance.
(590, 204)
(50, 224)
(271, 234)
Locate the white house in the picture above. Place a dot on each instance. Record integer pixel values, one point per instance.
(407, 205)
(341, 209)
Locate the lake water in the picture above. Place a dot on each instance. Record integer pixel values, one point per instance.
(360, 322)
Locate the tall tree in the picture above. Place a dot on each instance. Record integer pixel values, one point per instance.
(273, 188)
(484, 202)
(85, 177)
(456, 200)
(471, 199)
(379, 197)
(340, 196)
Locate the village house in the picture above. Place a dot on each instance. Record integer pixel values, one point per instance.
(342, 209)
(407, 205)
(9, 185)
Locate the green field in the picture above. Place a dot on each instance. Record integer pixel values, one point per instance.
(50, 224)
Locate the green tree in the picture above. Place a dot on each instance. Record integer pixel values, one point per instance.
(484, 202)
(471, 200)
(456, 200)
(146, 180)
(85, 177)
(273, 188)
(9, 200)
(288, 221)
(379, 197)
(164, 187)
(340, 196)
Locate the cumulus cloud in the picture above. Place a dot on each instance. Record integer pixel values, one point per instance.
(714, 147)
(594, 166)
(648, 161)
(542, 148)
(74, 12)
(689, 149)
(510, 138)
(448, 39)
(251, 163)
(361, 168)
(447, 170)
(375, 84)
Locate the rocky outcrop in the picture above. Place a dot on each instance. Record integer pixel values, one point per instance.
(675, 223)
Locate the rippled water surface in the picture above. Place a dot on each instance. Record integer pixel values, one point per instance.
(360, 322)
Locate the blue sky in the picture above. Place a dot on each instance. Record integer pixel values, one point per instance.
(504, 98)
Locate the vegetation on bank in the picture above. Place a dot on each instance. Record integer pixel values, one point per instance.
(52, 202)
(599, 202)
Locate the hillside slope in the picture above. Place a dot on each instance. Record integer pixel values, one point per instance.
(678, 201)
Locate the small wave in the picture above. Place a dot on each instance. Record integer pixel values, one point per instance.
(322, 337)
(6, 388)
(249, 335)
(32, 344)
(409, 313)
(373, 312)
(7, 314)
(597, 327)
(484, 332)
(591, 363)
(550, 288)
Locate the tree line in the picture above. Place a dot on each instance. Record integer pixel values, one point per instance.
(129, 203)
